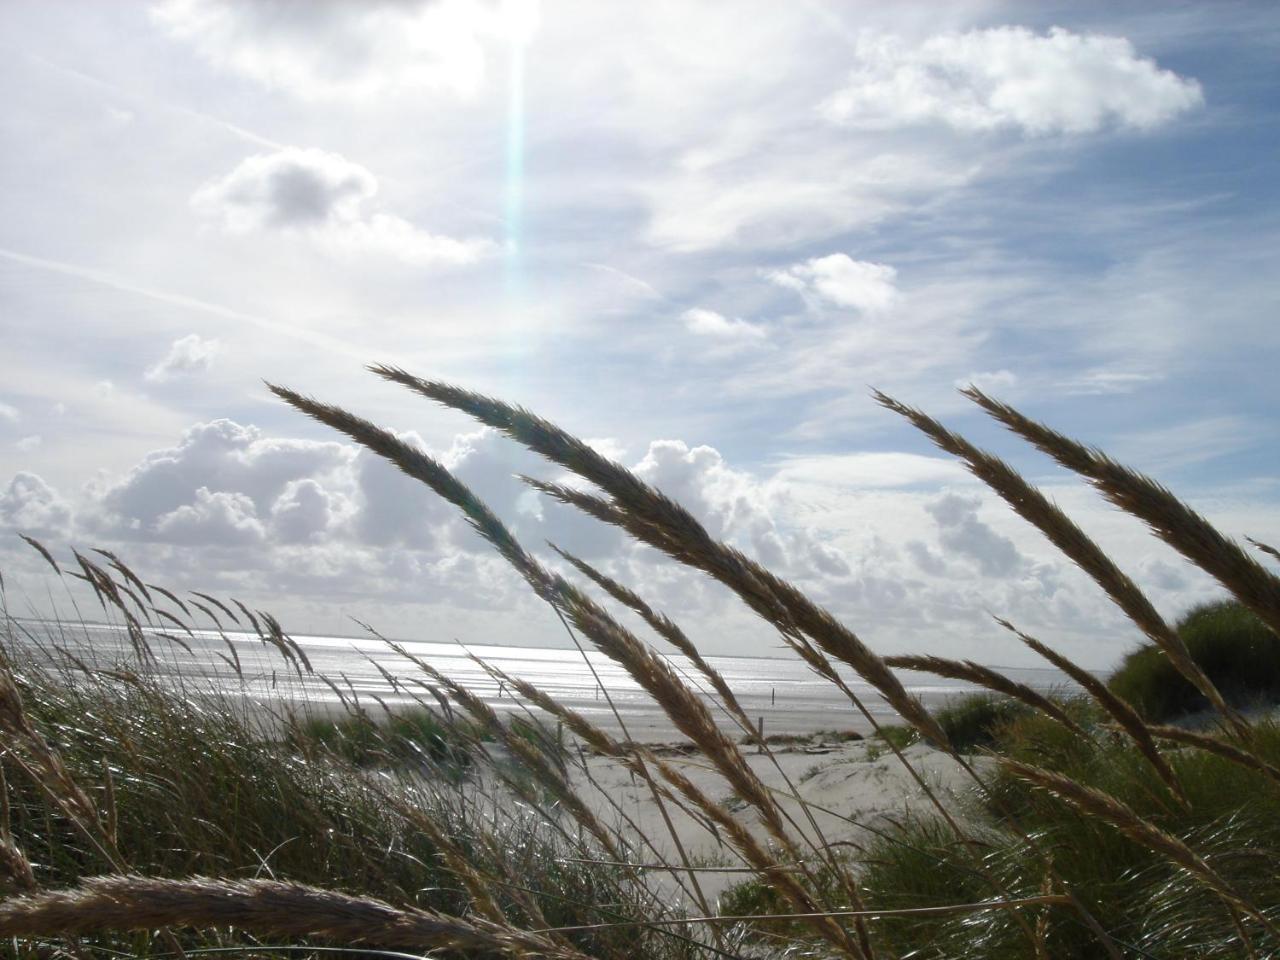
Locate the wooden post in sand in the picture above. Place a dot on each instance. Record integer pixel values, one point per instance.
(760, 735)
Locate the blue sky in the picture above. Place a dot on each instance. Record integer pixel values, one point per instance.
(697, 234)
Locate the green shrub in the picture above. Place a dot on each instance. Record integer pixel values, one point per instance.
(407, 736)
(974, 720)
(1131, 890)
(900, 735)
(1233, 647)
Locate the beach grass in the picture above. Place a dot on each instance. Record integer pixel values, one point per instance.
(149, 811)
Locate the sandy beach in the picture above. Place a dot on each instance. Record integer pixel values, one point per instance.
(850, 787)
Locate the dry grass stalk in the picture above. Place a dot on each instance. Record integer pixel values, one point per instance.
(605, 511)
(1124, 715)
(459, 863)
(659, 521)
(975, 673)
(1107, 808)
(669, 630)
(261, 907)
(14, 864)
(45, 765)
(528, 754)
(1265, 548)
(1034, 507)
(1045, 900)
(629, 754)
(689, 714)
(778, 875)
(40, 548)
(605, 745)
(665, 627)
(1210, 744)
(1169, 518)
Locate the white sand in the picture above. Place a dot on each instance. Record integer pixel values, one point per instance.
(861, 783)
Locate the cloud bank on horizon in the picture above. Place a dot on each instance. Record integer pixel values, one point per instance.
(694, 232)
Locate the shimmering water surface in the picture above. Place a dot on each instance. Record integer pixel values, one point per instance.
(782, 690)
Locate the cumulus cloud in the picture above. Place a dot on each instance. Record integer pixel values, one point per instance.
(925, 558)
(735, 506)
(27, 444)
(304, 512)
(31, 506)
(219, 457)
(838, 279)
(9, 413)
(187, 355)
(213, 519)
(322, 523)
(327, 198)
(708, 323)
(289, 188)
(961, 532)
(1009, 77)
(331, 49)
(393, 509)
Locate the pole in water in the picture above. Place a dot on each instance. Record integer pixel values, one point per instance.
(760, 735)
(773, 696)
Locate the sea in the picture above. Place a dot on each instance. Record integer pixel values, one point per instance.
(781, 692)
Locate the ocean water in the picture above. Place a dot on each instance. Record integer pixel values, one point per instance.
(782, 690)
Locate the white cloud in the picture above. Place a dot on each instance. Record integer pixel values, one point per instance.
(9, 413)
(869, 470)
(327, 198)
(840, 280)
(708, 323)
(1106, 382)
(961, 532)
(304, 512)
(736, 506)
(289, 188)
(220, 457)
(331, 49)
(213, 519)
(27, 444)
(990, 381)
(31, 506)
(778, 200)
(926, 559)
(1186, 442)
(187, 355)
(1009, 77)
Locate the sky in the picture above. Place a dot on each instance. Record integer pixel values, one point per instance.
(697, 235)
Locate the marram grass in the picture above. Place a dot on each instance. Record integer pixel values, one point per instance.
(146, 812)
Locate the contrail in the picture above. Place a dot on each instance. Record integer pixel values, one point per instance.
(320, 340)
(146, 101)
